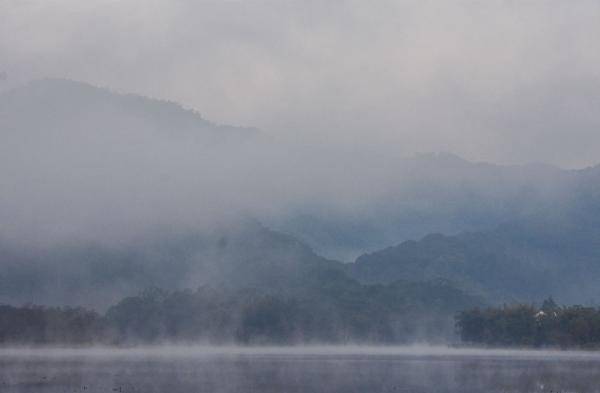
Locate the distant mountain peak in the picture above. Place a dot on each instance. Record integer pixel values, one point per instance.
(441, 156)
(63, 101)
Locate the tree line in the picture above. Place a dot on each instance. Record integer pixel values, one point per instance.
(341, 311)
(526, 325)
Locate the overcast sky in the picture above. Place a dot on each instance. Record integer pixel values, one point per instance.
(501, 81)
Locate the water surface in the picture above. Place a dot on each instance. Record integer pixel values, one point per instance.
(307, 369)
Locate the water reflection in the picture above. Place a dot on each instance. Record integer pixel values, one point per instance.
(298, 372)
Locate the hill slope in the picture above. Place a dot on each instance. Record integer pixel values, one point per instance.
(527, 260)
(240, 255)
(432, 193)
(58, 105)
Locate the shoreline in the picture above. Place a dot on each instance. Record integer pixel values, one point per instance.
(199, 351)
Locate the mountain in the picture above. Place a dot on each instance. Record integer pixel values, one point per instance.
(105, 194)
(59, 106)
(237, 283)
(82, 155)
(240, 255)
(553, 251)
(431, 193)
(85, 164)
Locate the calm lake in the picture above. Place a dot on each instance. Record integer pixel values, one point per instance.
(308, 369)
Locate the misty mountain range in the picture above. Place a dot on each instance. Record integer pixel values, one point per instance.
(105, 195)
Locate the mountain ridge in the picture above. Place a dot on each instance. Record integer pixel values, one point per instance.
(60, 95)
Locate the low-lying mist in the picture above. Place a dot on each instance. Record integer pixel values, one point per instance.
(80, 164)
(298, 369)
(105, 194)
(199, 350)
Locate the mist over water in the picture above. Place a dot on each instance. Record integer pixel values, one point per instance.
(277, 173)
(297, 369)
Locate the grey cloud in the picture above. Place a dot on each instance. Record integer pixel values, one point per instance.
(482, 79)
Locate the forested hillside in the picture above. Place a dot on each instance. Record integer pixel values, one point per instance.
(525, 261)
(328, 308)
(241, 254)
(117, 193)
(524, 325)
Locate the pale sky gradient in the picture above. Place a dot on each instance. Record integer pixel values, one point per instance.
(501, 81)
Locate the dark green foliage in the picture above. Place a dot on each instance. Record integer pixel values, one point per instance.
(49, 325)
(341, 311)
(331, 309)
(523, 262)
(526, 325)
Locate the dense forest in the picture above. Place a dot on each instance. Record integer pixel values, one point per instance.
(524, 325)
(341, 311)
(398, 313)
